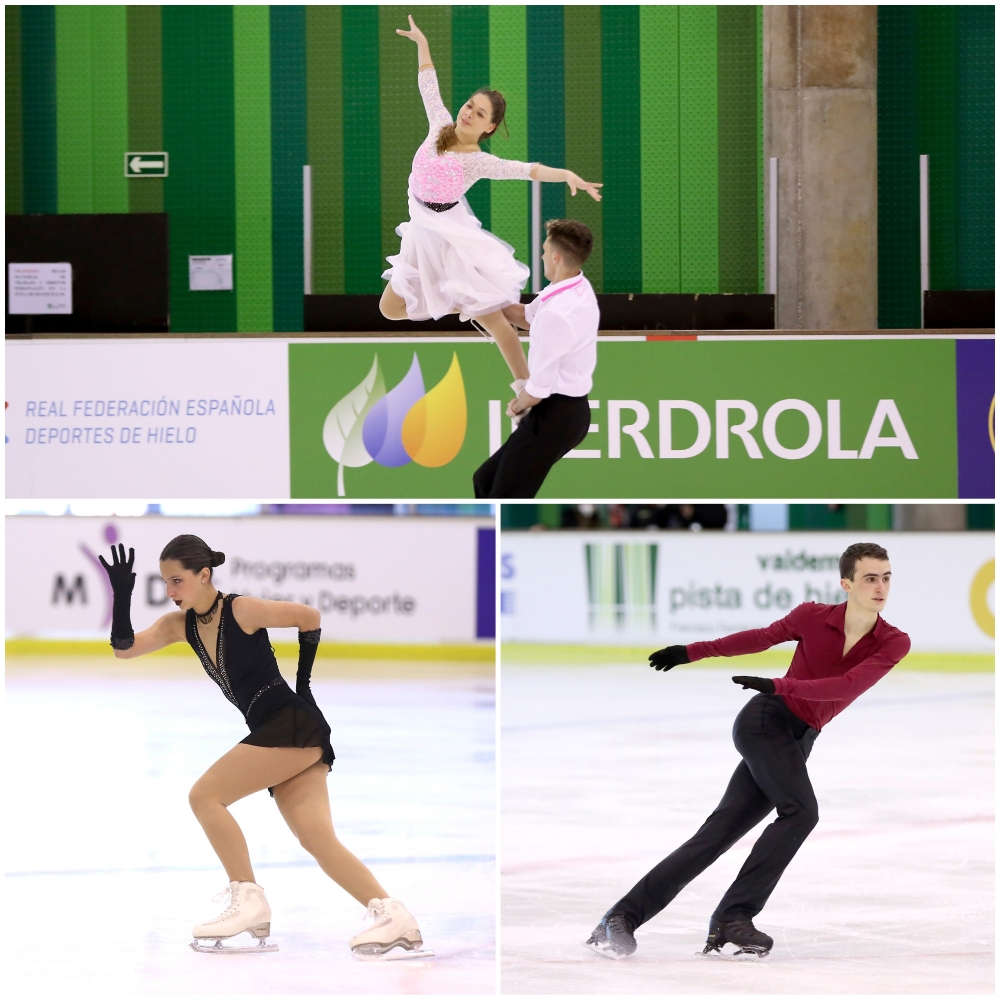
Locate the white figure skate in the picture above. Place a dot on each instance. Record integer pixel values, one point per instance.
(389, 933)
(246, 910)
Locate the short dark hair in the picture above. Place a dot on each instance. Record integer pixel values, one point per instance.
(572, 239)
(859, 550)
(192, 553)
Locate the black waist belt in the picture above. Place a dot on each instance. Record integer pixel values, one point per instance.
(438, 206)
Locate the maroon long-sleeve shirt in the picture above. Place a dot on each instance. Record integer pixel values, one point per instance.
(821, 682)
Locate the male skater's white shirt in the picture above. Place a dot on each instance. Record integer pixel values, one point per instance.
(562, 351)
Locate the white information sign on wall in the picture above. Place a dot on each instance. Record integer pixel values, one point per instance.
(660, 588)
(368, 576)
(150, 419)
(39, 289)
(211, 273)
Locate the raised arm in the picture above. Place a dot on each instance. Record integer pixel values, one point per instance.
(423, 49)
(253, 613)
(540, 172)
(163, 632)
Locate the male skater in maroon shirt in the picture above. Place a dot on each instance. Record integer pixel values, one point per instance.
(843, 649)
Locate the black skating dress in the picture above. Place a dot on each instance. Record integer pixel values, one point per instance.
(247, 672)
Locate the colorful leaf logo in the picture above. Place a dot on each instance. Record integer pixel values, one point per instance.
(434, 428)
(382, 433)
(344, 424)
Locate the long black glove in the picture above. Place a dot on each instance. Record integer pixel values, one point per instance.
(122, 581)
(763, 684)
(664, 659)
(308, 644)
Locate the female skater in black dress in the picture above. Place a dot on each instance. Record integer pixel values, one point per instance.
(287, 751)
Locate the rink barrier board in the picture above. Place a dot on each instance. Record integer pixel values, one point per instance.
(545, 654)
(446, 652)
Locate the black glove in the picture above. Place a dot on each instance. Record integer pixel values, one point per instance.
(763, 684)
(308, 644)
(664, 659)
(122, 581)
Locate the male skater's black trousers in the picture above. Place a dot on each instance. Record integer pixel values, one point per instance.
(774, 744)
(517, 469)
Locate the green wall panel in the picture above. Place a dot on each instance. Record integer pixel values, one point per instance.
(976, 158)
(547, 105)
(288, 156)
(109, 34)
(74, 109)
(363, 264)
(252, 155)
(145, 101)
(584, 122)
(14, 97)
(325, 142)
(699, 154)
(509, 200)
(199, 193)
(658, 42)
(470, 69)
(38, 61)
(737, 144)
(622, 148)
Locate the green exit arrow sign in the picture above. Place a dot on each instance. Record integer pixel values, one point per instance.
(146, 164)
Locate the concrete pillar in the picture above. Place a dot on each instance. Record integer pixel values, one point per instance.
(930, 517)
(820, 76)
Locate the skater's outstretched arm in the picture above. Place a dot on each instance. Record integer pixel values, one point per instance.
(540, 172)
(423, 49)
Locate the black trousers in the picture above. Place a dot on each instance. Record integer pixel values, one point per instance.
(517, 469)
(774, 744)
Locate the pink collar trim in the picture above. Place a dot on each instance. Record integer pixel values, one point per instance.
(563, 288)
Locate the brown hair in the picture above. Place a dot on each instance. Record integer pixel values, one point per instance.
(859, 550)
(192, 553)
(572, 239)
(446, 136)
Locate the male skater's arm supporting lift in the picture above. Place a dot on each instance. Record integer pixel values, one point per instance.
(843, 649)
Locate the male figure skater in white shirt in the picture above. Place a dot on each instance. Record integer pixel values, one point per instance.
(552, 403)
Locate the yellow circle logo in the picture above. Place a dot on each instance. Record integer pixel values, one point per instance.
(978, 594)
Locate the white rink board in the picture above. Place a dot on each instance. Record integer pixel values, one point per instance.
(180, 418)
(373, 579)
(544, 595)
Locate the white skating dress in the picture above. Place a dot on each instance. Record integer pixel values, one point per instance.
(446, 260)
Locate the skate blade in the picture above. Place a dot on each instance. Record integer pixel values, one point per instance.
(603, 952)
(398, 951)
(740, 955)
(198, 944)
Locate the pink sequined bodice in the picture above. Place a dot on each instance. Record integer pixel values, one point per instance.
(445, 178)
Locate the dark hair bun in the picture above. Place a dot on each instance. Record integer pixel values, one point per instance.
(218, 558)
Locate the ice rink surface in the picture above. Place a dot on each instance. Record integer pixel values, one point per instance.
(606, 769)
(108, 871)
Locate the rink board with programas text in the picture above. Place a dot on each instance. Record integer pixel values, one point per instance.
(901, 417)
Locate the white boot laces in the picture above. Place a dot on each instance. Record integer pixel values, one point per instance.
(228, 899)
(377, 913)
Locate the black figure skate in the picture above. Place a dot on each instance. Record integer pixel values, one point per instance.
(750, 943)
(612, 937)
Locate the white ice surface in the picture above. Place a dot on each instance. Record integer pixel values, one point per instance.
(107, 869)
(605, 770)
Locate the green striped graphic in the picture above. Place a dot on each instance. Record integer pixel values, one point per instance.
(622, 149)
(288, 156)
(38, 55)
(252, 153)
(470, 68)
(145, 101)
(402, 119)
(14, 152)
(324, 129)
(584, 122)
(74, 109)
(363, 263)
(199, 193)
(658, 44)
(737, 149)
(109, 33)
(509, 200)
(699, 151)
(546, 104)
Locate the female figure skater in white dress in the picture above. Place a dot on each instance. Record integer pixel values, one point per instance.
(447, 262)
(287, 751)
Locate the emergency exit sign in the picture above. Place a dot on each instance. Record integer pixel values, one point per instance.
(146, 164)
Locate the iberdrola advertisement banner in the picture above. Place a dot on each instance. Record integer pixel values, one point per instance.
(700, 417)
